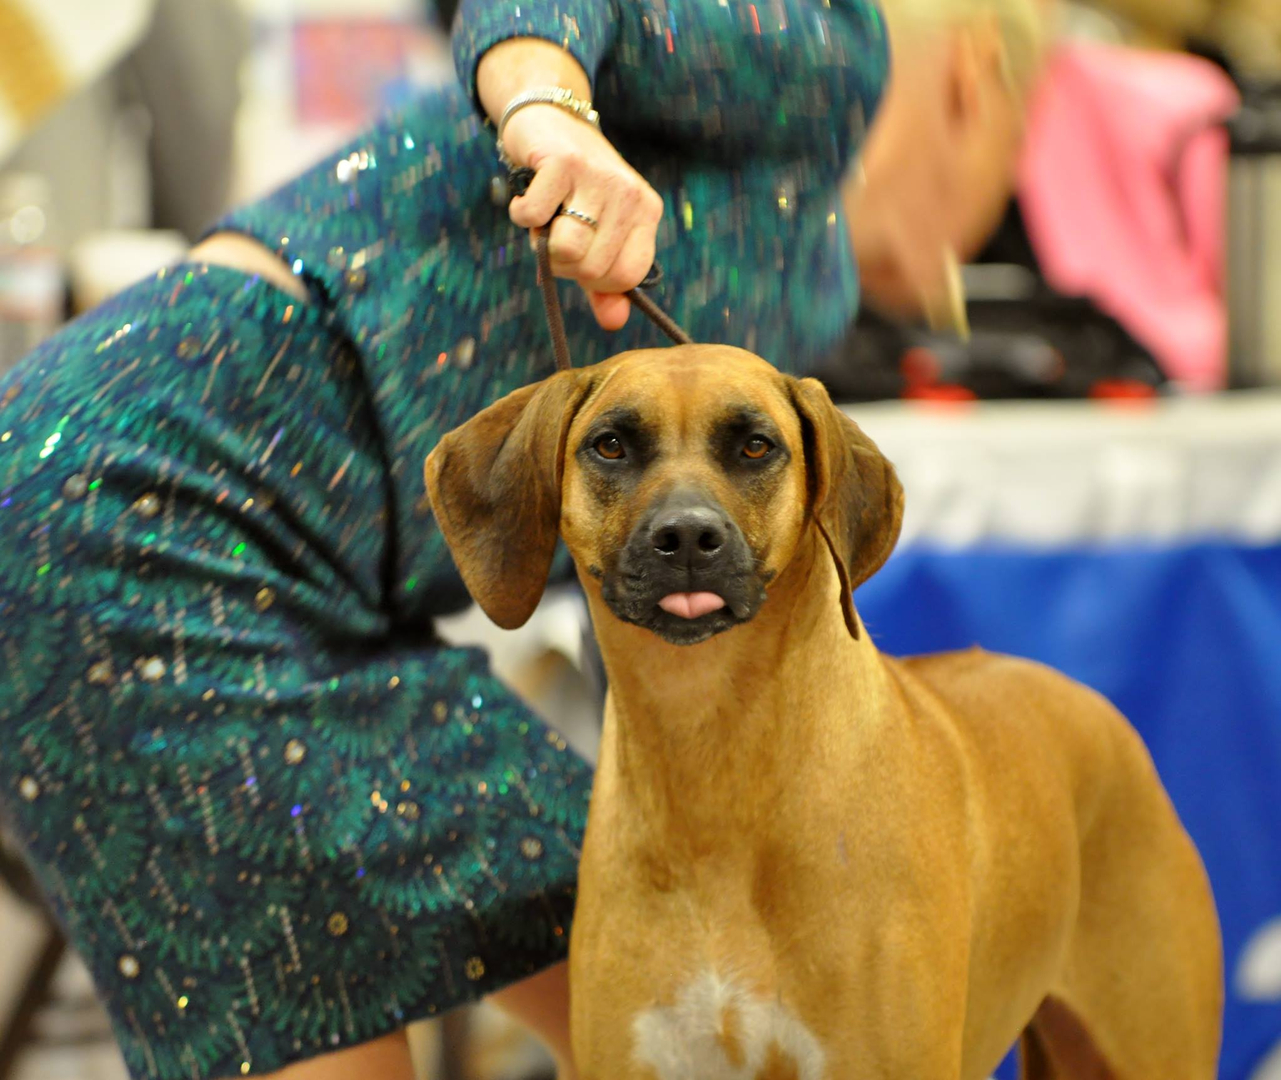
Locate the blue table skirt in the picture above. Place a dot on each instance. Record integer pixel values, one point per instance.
(1186, 641)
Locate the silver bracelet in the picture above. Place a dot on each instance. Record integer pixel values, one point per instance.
(546, 95)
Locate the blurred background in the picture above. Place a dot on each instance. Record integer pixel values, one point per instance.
(1093, 479)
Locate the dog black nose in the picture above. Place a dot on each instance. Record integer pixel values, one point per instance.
(690, 537)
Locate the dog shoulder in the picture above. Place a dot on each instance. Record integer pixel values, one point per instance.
(1011, 709)
(1014, 684)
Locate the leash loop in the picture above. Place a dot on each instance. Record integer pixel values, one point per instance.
(518, 181)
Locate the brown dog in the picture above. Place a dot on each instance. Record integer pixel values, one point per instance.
(804, 859)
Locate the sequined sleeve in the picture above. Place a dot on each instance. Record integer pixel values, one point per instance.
(587, 28)
(725, 80)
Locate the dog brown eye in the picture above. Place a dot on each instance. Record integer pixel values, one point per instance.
(757, 447)
(609, 447)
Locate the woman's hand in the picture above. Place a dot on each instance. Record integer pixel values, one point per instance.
(575, 167)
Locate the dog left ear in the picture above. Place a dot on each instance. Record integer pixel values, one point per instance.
(855, 496)
(494, 485)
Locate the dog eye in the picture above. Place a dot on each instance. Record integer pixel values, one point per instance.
(610, 447)
(757, 447)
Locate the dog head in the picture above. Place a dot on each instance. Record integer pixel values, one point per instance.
(682, 480)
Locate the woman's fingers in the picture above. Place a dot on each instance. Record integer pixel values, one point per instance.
(586, 253)
(618, 254)
(634, 260)
(611, 309)
(574, 237)
(550, 187)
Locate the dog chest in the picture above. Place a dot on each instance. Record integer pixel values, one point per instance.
(717, 1029)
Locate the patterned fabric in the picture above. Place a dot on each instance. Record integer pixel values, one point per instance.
(275, 814)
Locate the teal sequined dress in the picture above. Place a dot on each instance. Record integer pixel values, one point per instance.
(275, 815)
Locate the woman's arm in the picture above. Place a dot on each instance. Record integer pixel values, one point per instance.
(519, 64)
(508, 68)
(238, 252)
(576, 167)
(583, 31)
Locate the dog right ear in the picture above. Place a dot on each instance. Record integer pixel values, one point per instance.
(854, 493)
(494, 486)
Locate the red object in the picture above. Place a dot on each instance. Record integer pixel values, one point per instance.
(919, 366)
(343, 65)
(1122, 390)
(940, 394)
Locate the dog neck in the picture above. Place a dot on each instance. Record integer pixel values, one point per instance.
(714, 731)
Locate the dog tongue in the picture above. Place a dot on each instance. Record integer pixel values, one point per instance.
(691, 605)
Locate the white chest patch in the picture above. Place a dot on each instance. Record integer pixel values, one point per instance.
(719, 1031)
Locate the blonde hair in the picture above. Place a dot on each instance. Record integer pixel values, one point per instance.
(1023, 26)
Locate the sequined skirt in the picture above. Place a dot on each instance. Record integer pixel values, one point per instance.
(273, 814)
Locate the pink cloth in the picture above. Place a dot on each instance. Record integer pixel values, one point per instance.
(1123, 189)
